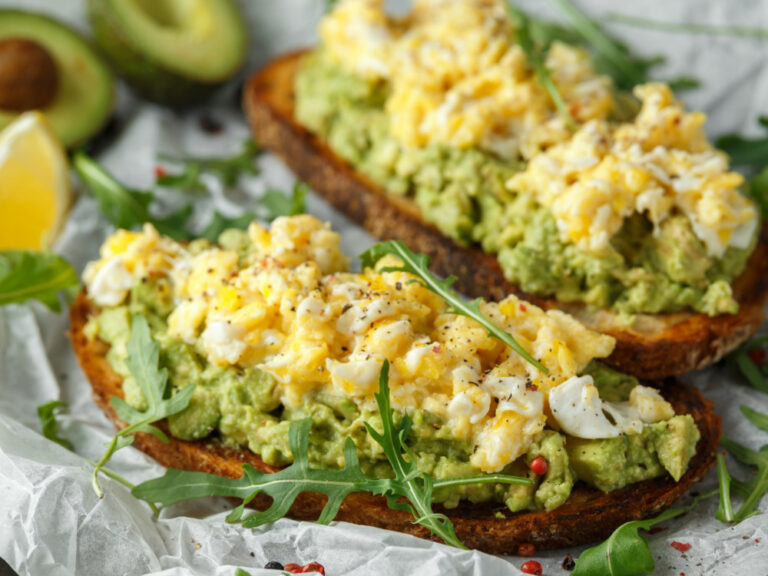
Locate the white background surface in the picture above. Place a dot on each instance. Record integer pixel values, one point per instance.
(51, 523)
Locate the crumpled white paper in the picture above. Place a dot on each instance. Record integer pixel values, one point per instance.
(52, 523)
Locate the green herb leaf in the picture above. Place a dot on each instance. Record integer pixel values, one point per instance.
(275, 203)
(746, 152)
(278, 203)
(689, 27)
(418, 265)
(524, 34)
(219, 223)
(724, 507)
(611, 56)
(285, 485)
(241, 572)
(740, 361)
(124, 208)
(758, 485)
(143, 355)
(27, 275)
(758, 191)
(626, 552)
(228, 170)
(46, 413)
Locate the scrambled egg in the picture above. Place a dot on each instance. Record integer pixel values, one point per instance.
(458, 78)
(660, 164)
(290, 307)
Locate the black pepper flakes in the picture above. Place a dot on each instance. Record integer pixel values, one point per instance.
(568, 563)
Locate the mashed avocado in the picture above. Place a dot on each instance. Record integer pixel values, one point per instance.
(242, 407)
(462, 192)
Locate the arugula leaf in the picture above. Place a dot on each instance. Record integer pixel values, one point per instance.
(241, 572)
(143, 355)
(410, 482)
(286, 484)
(740, 360)
(275, 203)
(612, 57)
(753, 490)
(693, 28)
(219, 223)
(524, 35)
(27, 275)
(46, 413)
(724, 507)
(626, 552)
(758, 191)
(746, 152)
(228, 170)
(124, 208)
(418, 265)
(278, 203)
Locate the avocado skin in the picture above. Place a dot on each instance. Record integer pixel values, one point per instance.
(150, 80)
(92, 117)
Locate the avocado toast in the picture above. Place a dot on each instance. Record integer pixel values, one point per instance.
(475, 404)
(668, 315)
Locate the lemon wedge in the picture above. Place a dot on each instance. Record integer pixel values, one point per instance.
(35, 192)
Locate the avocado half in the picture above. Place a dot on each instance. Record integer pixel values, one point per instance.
(84, 97)
(173, 52)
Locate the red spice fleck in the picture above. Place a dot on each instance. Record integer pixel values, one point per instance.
(531, 567)
(523, 308)
(437, 349)
(758, 356)
(292, 568)
(680, 546)
(539, 465)
(160, 172)
(526, 549)
(757, 540)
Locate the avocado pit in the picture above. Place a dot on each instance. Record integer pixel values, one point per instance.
(29, 77)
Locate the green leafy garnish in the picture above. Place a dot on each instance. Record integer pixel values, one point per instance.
(611, 56)
(27, 275)
(274, 203)
(46, 413)
(745, 360)
(142, 359)
(746, 152)
(126, 208)
(626, 552)
(129, 209)
(418, 265)
(689, 27)
(535, 55)
(285, 485)
(228, 170)
(754, 489)
(277, 203)
(758, 191)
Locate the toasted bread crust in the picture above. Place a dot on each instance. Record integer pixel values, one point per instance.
(657, 347)
(588, 516)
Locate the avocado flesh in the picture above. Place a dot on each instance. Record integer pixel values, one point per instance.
(85, 93)
(173, 52)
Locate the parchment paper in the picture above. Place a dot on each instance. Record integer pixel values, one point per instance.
(51, 523)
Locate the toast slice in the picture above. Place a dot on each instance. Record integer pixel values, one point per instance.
(589, 515)
(657, 346)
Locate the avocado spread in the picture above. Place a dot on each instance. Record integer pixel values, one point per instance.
(241, 406)
(644, 270)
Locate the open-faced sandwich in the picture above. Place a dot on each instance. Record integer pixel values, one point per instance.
(435, 129)
(271, 327)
